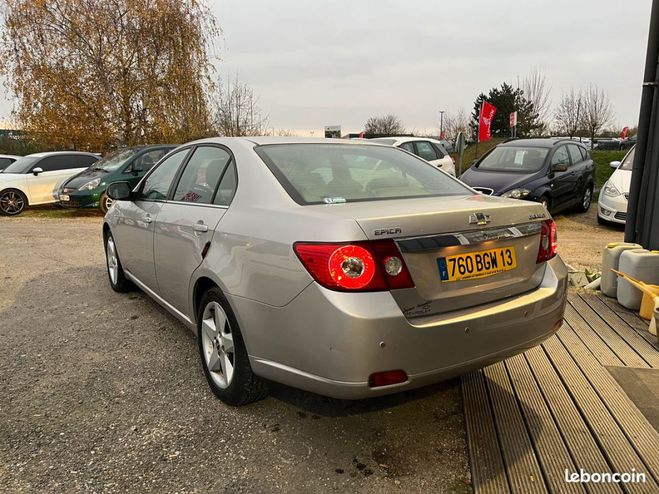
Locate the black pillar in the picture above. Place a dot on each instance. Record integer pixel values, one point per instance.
(643, 209)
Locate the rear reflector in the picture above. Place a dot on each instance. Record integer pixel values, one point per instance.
(358, 266)
(548, 241)
(387, 378)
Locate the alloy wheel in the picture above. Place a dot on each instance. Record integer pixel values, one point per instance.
(587, 197)
(11, 202)
(113, 261)
(217, 344)
(106, 202)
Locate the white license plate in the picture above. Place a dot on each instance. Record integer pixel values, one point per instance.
(64, 197)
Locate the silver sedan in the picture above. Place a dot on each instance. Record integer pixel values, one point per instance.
(348, 269)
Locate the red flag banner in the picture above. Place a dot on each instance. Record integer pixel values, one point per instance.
(485, 121)
(624, 132)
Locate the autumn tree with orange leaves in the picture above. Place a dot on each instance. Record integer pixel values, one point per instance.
(94, 74)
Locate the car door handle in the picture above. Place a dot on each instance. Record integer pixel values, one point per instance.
(200, 227)
(147, 219)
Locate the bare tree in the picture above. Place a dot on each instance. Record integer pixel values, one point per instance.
(536, 90)
(455, 123)
(236, 112)
(569, 114)
(597, 110)
(388, 124)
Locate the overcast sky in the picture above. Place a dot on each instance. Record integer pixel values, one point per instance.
(339, 62)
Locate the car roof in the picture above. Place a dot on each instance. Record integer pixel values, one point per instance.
(264, 140)
(10, 156)
(58, 153)
(541, 142)
(401, 139)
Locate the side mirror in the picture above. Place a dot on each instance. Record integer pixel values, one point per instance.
(614, 164)
(559, 167)
(37, 170)
(119, 191)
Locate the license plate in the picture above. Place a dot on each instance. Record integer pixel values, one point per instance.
(479, 264)
(64, 197)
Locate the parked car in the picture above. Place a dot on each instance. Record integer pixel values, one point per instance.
(628, 143)
(606, 144)
(558, 173)
(431, 150)
(87, 188)
(341, 267)
(612, 205)
(34, 179)
(6, 160)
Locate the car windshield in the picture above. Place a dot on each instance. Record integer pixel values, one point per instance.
(114, 161)
(515, 159)
(628, 161)
(21, 165)
(336, 173)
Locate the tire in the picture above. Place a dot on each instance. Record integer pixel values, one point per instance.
(586, 200)
(104, 203)
(116, 276)
(12, 202)
(228, 373)
(602, 222)
(546, 202)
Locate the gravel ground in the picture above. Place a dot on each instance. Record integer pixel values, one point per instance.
(581, 240)
(104, 392)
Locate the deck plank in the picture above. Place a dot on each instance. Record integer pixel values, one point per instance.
(488, 474)
(640, 433)
(578, 437)
(619, 346)
(632, 336)
(524, 473)
(550, 449)
(613, 442)
(591, 339)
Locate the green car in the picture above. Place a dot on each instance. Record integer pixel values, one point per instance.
(87, 188)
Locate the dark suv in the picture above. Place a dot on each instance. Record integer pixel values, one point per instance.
(556, 172)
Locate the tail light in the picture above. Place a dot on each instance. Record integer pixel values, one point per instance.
(548, 241)
(358, 266)
(386, 378)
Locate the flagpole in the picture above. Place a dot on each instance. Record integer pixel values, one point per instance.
(478, 128)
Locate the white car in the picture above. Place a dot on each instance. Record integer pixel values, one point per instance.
(6, 160)
(612, 206)
(33, 179)
(430, 150)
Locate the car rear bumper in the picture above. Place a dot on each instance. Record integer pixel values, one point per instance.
(330, 342)
(613, 209)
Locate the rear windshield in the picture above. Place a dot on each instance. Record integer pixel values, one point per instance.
(628, 161)
(336, 173)
(514, 159)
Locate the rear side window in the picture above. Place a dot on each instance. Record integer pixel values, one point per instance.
(335, 173)
(439, 149)
(408, 146)
(201, 175)
(575, 154)
(4, 162)
(228, 185)
(426, 151)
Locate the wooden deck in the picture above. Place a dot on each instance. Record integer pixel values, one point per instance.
(557, 407)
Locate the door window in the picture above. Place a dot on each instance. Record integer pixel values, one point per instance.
(201, 175)
(408, 146)
(227, 188)
(157, 184)
(5, 162)
(439, 149)
(560, 156)
(426, 151)
(575, 154)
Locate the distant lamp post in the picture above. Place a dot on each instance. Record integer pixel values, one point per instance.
(441, 124)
